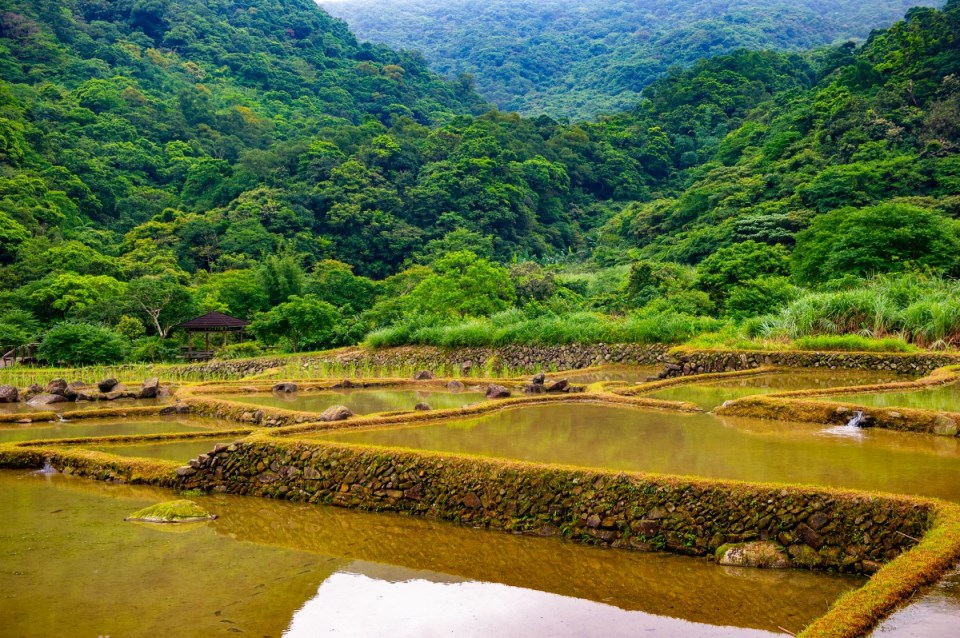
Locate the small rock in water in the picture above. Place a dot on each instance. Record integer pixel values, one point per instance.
(495, 391)
(756, 554)
(423, 375)
(57, 386)
(181, 511)
(336, 413)
(150, 389)
(285, 387)
(47, 399)
(534, 388)
(558, 386)
(455, 386)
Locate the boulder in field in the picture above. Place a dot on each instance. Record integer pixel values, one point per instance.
(150, 388)
(9, 394)
(285, 387)
(47, 399)
(495, 391)
(336, 413)
(534, 388)
(74, 389)
(181, 511)
(558, 386)
(422, 406)
(423, 375)
(455, 386)
(57, 386)
(107, 385)
(539, 378)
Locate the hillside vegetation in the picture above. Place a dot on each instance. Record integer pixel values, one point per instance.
(160, 160)
(578, 59)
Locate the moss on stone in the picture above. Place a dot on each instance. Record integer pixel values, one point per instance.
(179, 511)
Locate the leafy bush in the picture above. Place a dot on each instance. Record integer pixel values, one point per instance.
(154, 350)
(80, 344)
(244, 350)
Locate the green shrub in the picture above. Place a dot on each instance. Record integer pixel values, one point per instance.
(154, 350)
(80, 344)
(243, 350)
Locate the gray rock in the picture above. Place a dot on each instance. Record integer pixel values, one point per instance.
(455, 386)
(47, 399)
(422, 406)
(150, 388)
(539, 378)
(534, 388)
(74, 389)
(9, 394)
(423, 375)
(285, 387)
(558, 386)
(495, 391)
(336, 413)
(57, 386)
(107, 385)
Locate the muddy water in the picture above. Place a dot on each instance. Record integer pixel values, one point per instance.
(172, 451)
(710, 395)
(934, 614)
(943, 398)
(107, 427)
(270, 568)
(362, 401)
(70, 406)
(625, 374)
(622, 438)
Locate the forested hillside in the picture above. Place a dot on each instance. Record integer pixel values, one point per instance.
(577, 59)
(162, 160)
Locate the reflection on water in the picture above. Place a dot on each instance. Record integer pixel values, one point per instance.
(710, 395)
(105, 427)
(171, 451)
(626, 374)
(362, 401)
(622, 438)
(945, 397)
(936, 613)
(423, 605)
(266, 568)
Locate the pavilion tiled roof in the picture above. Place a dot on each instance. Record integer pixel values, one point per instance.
(214, 321)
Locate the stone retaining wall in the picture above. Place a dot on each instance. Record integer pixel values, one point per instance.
(827, 529)
(525, 358)
(687, 362)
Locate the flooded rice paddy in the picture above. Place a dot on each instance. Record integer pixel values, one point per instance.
(622, 438)
(366, 401)
(72, 406)
(163, 450)
(945, 398)
(11, 432)
(271, 568)
(709, 395)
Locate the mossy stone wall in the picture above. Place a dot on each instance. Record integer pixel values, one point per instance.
(688, 362)
(824, 529)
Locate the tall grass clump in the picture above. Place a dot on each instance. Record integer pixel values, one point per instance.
(920, 309)
(515, 327)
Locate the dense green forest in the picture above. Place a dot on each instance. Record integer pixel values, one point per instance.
(161, 159)
(579, 59)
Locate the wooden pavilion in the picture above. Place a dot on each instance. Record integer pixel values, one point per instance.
(210, 323)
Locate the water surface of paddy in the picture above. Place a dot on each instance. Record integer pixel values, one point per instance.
(106, 427)
(626, 374)
(365, 401)
(935, 613)
(946, 398)
(71, 406)
(709, 395)
(167, 451)
(620, 438)
(272, 568)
